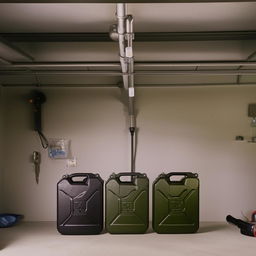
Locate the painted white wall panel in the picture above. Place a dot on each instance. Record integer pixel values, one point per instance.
(180, 129)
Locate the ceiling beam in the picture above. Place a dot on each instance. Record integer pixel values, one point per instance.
(51, 65)
(54, 86)
(250, 72)
(139, 37)
(122, 1)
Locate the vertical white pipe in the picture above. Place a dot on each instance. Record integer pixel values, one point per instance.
(125, 37)
(121, 13)
(129, 53)
(130, 68)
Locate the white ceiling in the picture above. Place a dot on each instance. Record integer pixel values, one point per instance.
(148, 17)
(193, 17)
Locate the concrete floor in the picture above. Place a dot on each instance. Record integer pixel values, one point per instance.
(42, 239)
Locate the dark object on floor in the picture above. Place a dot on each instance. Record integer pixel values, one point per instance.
(80, 204)
(176, 203)
(253, 217)
(127, 203)
(9, 220)
(246, 228)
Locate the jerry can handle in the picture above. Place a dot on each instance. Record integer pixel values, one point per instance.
(186, 174)
(133, 175)
(75, 175)
(118, 175)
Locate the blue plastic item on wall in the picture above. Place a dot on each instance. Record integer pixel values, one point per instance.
(9, 220)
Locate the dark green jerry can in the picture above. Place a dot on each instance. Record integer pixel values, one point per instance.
(176, 203)
(127, 203)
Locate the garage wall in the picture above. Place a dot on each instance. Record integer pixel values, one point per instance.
(180, 129)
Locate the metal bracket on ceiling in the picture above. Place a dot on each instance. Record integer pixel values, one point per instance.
(38, 83)
(4, 61)
(250, 57)
(14, 49)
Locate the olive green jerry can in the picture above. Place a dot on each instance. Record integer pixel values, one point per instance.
(176, 203)
(127, 203)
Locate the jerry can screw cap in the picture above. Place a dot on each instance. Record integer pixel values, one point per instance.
(113, 175)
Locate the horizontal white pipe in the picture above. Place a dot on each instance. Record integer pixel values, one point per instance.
(136, 64)
(137, 73)
(197, 72)
(54, 86)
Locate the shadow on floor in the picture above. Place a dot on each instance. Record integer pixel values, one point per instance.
(150, 230)
(7, 236)
(204, 228)
(210, 227)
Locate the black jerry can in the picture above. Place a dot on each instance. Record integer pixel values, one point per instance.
(80, 204)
